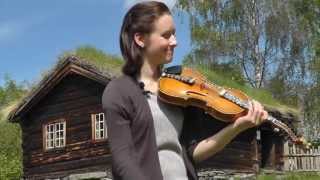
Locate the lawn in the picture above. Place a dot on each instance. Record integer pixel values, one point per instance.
(291, 176)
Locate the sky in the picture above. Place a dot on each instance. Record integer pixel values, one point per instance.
(34, 33)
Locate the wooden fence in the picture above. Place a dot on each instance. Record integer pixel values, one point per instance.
(299, 159)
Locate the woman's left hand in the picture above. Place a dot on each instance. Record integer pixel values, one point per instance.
(254, 117)
(211, 145)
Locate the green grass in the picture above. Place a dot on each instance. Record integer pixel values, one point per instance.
(290, 176)
(103, 61)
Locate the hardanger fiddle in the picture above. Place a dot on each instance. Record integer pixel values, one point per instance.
(184, 86)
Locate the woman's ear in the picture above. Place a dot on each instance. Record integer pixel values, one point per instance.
(139, 39)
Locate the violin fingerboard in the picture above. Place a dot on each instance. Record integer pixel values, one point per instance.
(224, 93)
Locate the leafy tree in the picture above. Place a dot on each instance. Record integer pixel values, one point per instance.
(309, 12)
(10, 91)
(276, 44)
(10, 141)
(262, 37)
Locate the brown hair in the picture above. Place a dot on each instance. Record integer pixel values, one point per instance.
(139, 19)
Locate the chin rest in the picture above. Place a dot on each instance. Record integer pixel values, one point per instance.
(177, 70)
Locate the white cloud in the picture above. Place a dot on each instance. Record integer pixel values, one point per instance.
(12, 29)
(169, 3)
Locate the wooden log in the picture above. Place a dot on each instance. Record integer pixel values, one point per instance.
(66, 167)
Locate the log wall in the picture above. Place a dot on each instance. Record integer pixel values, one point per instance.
(73, 99)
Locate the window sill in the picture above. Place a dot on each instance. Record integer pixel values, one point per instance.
(56, 150)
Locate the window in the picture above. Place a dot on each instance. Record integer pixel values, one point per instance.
(55, 136)
(99, 130)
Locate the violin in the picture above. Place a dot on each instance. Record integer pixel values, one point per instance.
(188, 87)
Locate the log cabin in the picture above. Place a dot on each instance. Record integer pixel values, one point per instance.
(64, 131)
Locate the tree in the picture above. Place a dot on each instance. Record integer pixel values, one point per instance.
(10, 142)
(309, 12)
(263, 37)
(10, 91)
(275, 43)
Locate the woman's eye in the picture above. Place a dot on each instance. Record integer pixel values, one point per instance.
(167, 35)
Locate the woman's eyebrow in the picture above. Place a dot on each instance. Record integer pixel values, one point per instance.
(170, 31)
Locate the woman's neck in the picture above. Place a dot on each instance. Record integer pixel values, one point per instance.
(149, 75)
(149, 72)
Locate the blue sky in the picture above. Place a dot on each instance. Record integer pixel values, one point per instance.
(34, 33)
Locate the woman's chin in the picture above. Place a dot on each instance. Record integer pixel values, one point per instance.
(166, 60)
(169, 59)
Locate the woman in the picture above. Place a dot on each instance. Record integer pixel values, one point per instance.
(144, 132)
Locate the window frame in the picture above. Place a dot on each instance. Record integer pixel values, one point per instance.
(94, 127)
(54, 131)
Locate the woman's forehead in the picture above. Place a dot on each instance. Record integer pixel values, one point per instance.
(164, 23)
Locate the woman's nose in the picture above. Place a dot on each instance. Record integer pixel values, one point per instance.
(173, 40)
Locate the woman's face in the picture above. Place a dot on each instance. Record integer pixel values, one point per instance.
(160, 43)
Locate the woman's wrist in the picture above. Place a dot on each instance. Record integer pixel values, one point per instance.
(239, 127)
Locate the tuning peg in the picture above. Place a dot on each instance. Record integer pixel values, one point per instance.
(276, 130)
(185, 79)
(191, 81)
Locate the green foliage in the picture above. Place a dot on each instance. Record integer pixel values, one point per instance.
(276, 44)
(10, 151)
(263, 36)
(10, 91)
(10, 141)
(281, 90)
